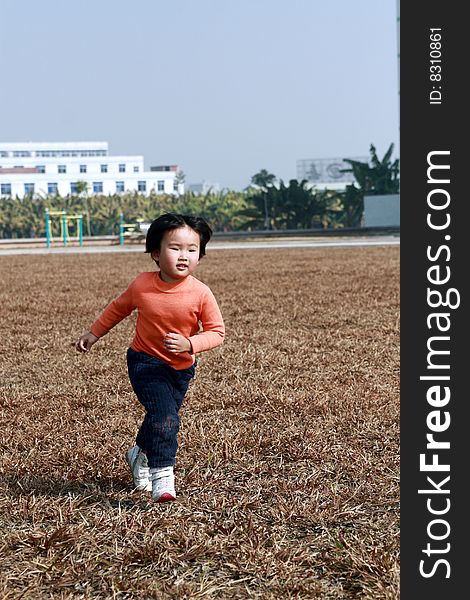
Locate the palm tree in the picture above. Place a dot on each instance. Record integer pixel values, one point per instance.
(82, 192)
(180, 178)
(265, 181)
(352, 204)
(378, 177)
(385, 173)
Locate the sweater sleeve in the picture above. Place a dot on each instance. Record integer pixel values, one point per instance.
(116, 311)
(213, 328)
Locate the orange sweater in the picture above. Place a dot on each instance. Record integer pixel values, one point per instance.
(166, 307)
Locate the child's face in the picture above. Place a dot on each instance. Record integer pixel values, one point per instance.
(179, 254)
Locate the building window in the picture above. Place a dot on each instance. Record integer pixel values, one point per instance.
(93, 153)
(161, 186)
(29, 188)
(136, 169)
(122, 168)
(5, 189)
(175, 186)
(142, 186)
(73, 187)
(41, 168)
(119, 186)
(52, 188)
(82, 168)
(97, 187)
(104, 168)
(61, 169)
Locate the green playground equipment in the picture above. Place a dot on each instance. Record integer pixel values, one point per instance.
(64, 221)
(134, 230)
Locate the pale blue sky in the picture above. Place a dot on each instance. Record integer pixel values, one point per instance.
(223, 89)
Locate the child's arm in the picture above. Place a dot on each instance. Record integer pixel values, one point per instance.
(213, 328)
(116, 310)
(86, 342)
(211, 336)
(175, 342)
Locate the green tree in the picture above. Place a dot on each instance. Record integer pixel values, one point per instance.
(292, 206)
(352, 206)
(378, 176)
(180, 178)
(82, 192)
(265, 180)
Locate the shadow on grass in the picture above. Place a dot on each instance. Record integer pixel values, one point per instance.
(105, 490)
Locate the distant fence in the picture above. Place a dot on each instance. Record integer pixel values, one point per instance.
(239, 235)
(317, 232)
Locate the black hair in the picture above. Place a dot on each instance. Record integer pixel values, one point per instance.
(170, 221)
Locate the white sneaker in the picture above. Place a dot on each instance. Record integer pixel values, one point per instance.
(137, 461)
(163, 484)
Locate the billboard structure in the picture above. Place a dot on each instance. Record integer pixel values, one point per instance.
(326, 172)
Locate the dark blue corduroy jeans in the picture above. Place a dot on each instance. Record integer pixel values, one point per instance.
(161, 390)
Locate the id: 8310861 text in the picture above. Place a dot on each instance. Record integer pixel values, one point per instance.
(435, 65)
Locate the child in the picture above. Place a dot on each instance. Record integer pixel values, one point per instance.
(178, 317)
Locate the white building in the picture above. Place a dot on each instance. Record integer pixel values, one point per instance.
(43, 168)
(204, 187)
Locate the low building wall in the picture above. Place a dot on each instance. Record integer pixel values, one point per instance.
(382, 211)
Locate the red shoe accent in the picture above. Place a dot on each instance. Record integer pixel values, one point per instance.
(166, 497)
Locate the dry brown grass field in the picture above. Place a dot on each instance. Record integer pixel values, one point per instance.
(288, 466)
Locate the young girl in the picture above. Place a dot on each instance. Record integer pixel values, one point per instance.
(178, 317)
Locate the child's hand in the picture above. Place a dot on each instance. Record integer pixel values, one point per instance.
(174, 342)
(86, 342)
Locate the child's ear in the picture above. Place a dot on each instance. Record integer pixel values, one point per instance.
(155, 255)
